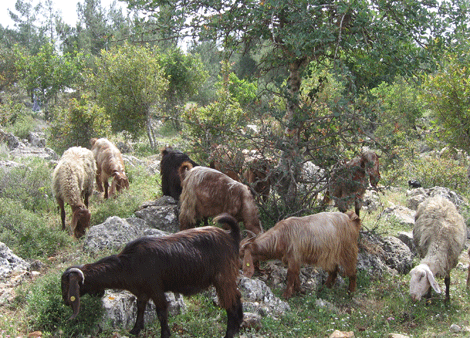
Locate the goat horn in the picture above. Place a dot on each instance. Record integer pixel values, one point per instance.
(80, 272)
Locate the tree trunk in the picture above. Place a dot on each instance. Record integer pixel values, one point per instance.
(150, 133)
(290, 163)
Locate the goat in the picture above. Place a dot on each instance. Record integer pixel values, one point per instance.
(327, 239)
(169, 165)
(349, 182)
(439, 235)
(109, 163)
(72, 183)
(246, 166)
(186, 262)
(208, 192)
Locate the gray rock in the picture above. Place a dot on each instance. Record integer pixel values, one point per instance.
(121, 308)
(160, 214)
(259, 299)
(397, 254)
(10, 263)
(399, 213)
(114, 233)
(407, 238)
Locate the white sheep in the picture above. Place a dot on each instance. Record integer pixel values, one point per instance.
(439, 235)
(72, 183)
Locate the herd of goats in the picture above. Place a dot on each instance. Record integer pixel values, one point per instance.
(195, 258)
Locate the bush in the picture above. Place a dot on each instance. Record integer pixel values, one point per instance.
(29, 185)
(47, 312)
(77, 123)
(26, 233)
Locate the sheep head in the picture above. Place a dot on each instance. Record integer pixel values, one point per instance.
(71, 281)
(80, 221)
(421, 279)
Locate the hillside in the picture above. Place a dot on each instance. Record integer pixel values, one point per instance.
(31, 303)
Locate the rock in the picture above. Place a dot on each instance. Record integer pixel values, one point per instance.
(11, 264)
(160, 214)
(114, 233)
(37, 139)
(258, 298)
(341, 334)
(397, 254)
(251, 321)
(419, 195)
(397, 335)
(407, 238)
(121, 308)
(401, 214)
(454, 328)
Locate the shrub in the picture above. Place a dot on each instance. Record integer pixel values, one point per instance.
(29, 185)
(47, 312)
(26, 233)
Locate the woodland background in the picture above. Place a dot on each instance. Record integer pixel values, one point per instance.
(297, 81)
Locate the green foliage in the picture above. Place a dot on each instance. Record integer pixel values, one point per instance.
(76, 124)
(143, 187)
(8, 71)
(398, 109)
(29, 185)
(47, 313)
(216, 123)
(448, 169)
(26, 233)
(448, 93)
(47, 72)
(129, 82)
(16, 118)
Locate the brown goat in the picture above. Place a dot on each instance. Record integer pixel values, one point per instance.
(348, 183)
(208, 192)
(327, 239)
(247, 167)
(109, 163)
(186, 262)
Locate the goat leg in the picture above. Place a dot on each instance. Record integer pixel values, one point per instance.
(293, 280)
(234, 318)
(139, 322)
(331, 277)
(161, 306)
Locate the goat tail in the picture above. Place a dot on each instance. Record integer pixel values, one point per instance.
(183, 169)
(232, 223)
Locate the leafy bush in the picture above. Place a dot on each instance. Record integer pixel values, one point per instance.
(47, 313)
(26, 233)
(77, 123)
(446, 170)
(29, 185)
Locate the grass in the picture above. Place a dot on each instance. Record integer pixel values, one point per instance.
(30, 226)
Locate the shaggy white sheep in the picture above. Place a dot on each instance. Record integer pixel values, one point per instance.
(439, 235)
(72, 183)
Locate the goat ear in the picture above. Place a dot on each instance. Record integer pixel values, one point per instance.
(74, 293)
(248, 266)
(432, 281)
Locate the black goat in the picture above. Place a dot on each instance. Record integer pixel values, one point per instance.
(169, 165)
(186, 262)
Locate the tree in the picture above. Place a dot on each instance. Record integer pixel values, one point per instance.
(185, 74)
(47, 73)
(447, 92)
(130, 84)
(368, 41)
